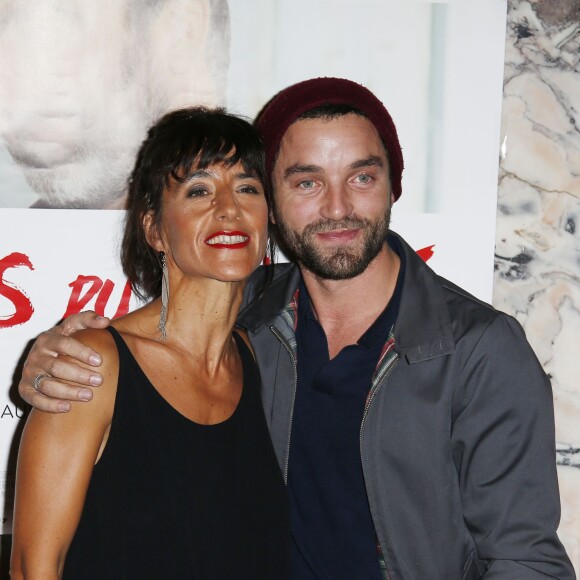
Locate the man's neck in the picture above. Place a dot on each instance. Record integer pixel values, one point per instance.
(347, 308)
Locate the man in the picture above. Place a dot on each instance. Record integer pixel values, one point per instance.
(413, 424)
(80, 83)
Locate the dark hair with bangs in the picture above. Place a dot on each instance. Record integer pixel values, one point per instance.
(180, 142)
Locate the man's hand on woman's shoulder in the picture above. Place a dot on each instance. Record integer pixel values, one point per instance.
(42, 384)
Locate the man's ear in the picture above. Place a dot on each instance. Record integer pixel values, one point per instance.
(271, 215)
(152, 234)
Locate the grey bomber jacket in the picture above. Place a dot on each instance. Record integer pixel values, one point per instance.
(457, 444)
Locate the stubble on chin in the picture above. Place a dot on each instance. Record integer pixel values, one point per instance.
(338, 263)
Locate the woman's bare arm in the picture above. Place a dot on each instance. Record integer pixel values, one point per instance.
(55, 462)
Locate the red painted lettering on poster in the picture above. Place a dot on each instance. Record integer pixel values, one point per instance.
(124, 303)
(426, 253)
(23, 306)
(85, 288)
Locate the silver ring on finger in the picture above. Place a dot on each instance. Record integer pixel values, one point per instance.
(37, 379)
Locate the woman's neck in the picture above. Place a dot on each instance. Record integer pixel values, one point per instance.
(201, 314)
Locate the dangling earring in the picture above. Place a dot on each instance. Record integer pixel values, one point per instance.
(164, 296)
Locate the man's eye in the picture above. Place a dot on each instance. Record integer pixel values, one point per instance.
(364, 178)
(306, 184)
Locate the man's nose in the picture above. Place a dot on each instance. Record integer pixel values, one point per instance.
(337, 203)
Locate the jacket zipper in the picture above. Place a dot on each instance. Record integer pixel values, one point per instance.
(291, 353)
(372, 396)
(367, 406)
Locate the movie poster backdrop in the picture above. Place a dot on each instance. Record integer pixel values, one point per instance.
(80, 82)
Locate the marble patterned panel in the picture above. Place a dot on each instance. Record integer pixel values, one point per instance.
(537, 267)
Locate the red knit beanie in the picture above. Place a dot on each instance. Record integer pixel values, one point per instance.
(285, 107)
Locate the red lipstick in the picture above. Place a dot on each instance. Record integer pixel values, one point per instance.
(228, 240)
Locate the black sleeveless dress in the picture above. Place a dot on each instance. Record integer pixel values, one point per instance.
(172, 499)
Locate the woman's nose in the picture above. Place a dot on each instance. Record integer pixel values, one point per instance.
(226, 205)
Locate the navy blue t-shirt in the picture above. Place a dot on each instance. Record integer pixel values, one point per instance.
(333, 535)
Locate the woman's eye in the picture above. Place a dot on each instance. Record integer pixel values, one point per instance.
(197, 192)
(249, 189)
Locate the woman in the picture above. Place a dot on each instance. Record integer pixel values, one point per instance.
(169, 472)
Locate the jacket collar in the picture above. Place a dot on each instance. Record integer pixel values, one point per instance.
(257, 311)
(423, 327)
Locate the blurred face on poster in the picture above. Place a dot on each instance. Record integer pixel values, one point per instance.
(80, 82)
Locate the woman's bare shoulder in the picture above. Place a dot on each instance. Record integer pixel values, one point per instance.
(100, 340)
(96, 336)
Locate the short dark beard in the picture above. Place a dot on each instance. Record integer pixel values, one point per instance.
(339, 263)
